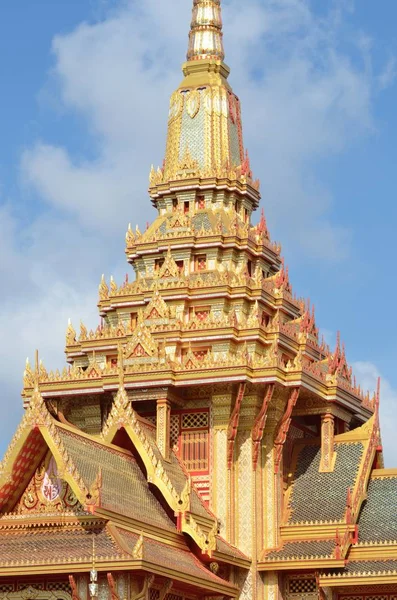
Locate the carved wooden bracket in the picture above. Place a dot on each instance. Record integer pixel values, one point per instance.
(167, 586)
(73, 585)
(259, 425)
(283, 428)
(321, 593)
(112, 587)
(95, 492)
(233, 425)
(144, 593)
(349, 506)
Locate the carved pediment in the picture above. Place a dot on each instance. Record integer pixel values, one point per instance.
(142, 344)
(178, 221)
(94, 370)
(47, 492)
(169, 267)
(157, 308)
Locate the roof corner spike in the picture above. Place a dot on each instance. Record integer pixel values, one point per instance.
(205, 37)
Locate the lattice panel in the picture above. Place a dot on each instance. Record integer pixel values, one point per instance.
(174, 430)
(58, 585)
(173, 597)
(195, 450)
(154, 594)
(5, 588)
(302, 585)
(195, 420)
(34, 585)
(369, 597)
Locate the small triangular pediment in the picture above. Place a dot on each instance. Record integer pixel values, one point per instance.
(139, 351)
(47, 492)
(141, 345)
(93, 373)
(23, 455)
(169, 268)
(157, 308)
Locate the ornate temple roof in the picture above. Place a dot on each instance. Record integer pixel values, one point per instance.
(108, 491)
(123, 486)
(378, 518)
(65, 547)
(310, 487)
(343, 520)
(370, 572)
(209, 323)
(309, 549)
(52, 545)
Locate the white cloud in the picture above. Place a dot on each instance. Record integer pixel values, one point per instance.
(26, 326)
(389, 73)
(302, 99)
(367, 375)
(50, 272)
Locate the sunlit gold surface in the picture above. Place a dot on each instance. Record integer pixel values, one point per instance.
(176, 421)
(205, 38)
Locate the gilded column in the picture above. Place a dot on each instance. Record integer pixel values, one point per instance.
(272, 491)
(163, 427)
(221, 409)
(248, 508)
(327, 443)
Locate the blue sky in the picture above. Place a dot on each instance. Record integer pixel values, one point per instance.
(85, 95)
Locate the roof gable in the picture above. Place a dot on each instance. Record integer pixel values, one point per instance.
(321, 497)
(47, 493)
(35, 435)
(122, 487)
(170, 477)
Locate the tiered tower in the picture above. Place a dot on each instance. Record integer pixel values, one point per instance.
(210, 371)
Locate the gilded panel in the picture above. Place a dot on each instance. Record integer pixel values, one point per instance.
(219, 482)
(244, 508)
(192, 128)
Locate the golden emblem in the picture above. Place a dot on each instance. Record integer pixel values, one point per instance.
(176, 104)
(193, 103)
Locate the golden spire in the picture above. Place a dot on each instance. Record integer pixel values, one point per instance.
(205, 38)
(205, 133)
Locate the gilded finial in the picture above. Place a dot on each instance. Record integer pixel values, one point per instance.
(70, 334)
(205, 38)
(103, 289)
(36, 374)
